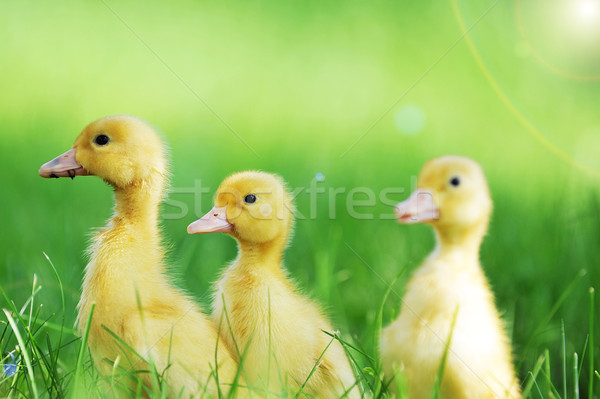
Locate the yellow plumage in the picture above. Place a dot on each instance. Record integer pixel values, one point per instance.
(453, 198)
(125, 277)
(265, 320)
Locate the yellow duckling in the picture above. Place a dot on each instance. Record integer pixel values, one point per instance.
(125, 277)
(265, 320)
(450, 287)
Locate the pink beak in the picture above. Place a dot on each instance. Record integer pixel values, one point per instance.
(418, 208)
(214, 221)
(64, 165)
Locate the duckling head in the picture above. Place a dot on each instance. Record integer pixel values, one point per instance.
(452, 195)
(121, 149)
(254, 207)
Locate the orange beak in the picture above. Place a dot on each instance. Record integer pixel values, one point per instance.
(418, 208)
(214, 221)
(64, 165)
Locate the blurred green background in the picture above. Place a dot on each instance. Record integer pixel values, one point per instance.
(361, 92)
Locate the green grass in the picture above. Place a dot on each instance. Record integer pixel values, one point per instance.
(300, 83)
(47, 366)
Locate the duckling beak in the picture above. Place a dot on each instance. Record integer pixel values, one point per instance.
(418, 208)
(214, 221)
(64, 165)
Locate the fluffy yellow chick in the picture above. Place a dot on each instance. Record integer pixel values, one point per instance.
(126, 278)
(453, 198)
(265, 320)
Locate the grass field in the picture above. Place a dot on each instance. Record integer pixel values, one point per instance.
(337, 96)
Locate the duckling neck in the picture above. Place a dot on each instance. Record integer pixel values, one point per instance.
(137, 204)
(136, 221)
(260, 255)
(127, 257)
(460, 240)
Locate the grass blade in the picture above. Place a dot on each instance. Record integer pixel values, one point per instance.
(62, 299)
(440, 374)
(301, 390)
(82, 348)
(533, 375)
(565, 294)
(591, 346)
(576, 376)
(24, 352)
(564, 358)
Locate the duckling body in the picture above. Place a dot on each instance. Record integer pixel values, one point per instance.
(281, 331)
(448, 298)
(275, 330)
(125, 277)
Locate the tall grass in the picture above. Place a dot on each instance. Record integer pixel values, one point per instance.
(48, 370)
(31, 339)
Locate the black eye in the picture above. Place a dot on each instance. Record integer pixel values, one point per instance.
(455, 181)
(101, 139)
(250, 199)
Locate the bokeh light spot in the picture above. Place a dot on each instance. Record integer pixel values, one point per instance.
(587, 10)
(410, 119)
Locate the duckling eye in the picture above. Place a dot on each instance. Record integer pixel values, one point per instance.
(101, 139)
(455, 181)
(250, 199)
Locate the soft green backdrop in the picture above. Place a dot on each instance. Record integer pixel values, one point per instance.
(363, 92)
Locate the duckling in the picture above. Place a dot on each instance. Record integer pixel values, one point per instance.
(450, 289)
(275, 331)
(125, 277)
